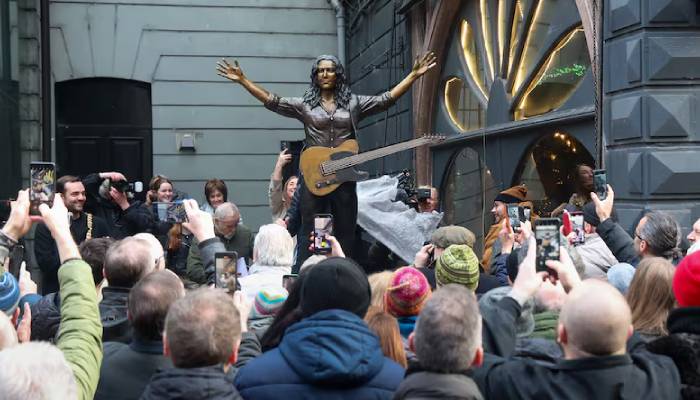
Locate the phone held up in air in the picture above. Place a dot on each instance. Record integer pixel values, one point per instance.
(600, 183)
(43, 184)
(323, 227)
(577, 228)
(225, 264)
(514, 217)
(173, 212)
(547, 237)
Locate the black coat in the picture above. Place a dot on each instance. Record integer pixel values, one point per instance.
(46, 317)
(46, 252)
(636, 375)
(121, 223)
(426, 385)
(618, 241)
(113, 307)
(683, 346)
(191, 384)
(127, 369)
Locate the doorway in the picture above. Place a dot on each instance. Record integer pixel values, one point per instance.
(104, 124)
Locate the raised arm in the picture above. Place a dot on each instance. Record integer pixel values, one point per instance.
(234, 73)
(420, 67)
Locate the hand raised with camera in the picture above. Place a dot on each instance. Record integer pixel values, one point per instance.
(604, 207)
(422, 258)
(113, 176)
(200, 223)
(566, 271)
(507, 237)
(528, 280)
(284, 158)
(19, 222)
(119, 198)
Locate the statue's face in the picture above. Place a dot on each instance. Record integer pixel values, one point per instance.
(326, 75)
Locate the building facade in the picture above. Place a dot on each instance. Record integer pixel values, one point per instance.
(133, 82)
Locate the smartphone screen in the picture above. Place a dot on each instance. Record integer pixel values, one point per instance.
(577, 228)
(323, 227)
(600, 183)
(173, 212)
(288, 281)
(514, 217)
(547, 236)
(284, 145)
(42, 185)
(527, 212)
(225, 265)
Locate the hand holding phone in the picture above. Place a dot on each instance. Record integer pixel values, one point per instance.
(577, 228)
(225, 265)
(173, 212)
(600, 183)
(548, 243)
(43, 184)
(323, 228)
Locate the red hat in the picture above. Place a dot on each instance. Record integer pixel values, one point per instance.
(686, 281)
(407, 292)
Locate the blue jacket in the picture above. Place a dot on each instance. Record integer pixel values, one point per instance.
(329, 355)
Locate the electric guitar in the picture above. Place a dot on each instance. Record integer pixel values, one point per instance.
(325, 168)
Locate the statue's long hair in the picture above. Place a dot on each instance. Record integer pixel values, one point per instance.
(312, 96)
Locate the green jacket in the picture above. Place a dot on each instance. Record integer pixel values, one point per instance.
(241, 242)
(80, 332)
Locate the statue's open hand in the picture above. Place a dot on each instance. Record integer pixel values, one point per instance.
(423, 64)
(228, 71)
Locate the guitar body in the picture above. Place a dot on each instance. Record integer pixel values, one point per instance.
(313, 157)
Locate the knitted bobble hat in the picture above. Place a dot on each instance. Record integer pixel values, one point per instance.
(268, 302)
(407, 292)
(9, 293)
(686, 281)
(458, 264)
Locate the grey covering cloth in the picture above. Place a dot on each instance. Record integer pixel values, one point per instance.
(396, 225)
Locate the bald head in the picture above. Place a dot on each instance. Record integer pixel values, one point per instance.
(595, 321)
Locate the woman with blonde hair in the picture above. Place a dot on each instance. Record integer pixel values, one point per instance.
(650, 297)
(378, 283)
(386, 328)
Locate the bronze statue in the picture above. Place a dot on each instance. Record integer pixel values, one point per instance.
(330, 113)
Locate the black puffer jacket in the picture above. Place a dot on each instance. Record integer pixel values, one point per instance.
(46, 317)
(430, 385)
(683, 346)
(191, 384)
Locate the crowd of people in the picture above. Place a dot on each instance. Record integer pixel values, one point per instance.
(127, 306)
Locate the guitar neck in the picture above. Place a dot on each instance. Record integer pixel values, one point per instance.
(351, 161)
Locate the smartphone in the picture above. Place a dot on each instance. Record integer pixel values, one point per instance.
(284, 145)
(323, 227)
(288, 281)
(514, 217)
(225, 269)
(527, 212)
(16, 258)
(173, 212)
(600, 183)
(547, 236)
(42, 185)
(577, 228)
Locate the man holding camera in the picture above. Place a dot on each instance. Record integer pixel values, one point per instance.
(110, 197)
(83, 226)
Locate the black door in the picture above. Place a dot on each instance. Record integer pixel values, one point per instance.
(104, 124)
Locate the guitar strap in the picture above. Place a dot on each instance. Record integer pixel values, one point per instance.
(88, 235)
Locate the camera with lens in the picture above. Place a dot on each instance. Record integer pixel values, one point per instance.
(405, 190)
(127, 187)
(423, 194)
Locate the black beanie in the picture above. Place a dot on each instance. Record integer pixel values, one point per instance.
(335, 283)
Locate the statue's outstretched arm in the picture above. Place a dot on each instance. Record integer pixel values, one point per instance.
(234, 73)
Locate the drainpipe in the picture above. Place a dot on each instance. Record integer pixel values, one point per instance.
(45, 36)
(340, 19)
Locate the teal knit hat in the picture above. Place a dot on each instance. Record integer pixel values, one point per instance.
(458, 264)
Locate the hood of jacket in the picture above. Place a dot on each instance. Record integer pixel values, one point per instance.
(332, 347)
(46, 318)
(191, 383)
